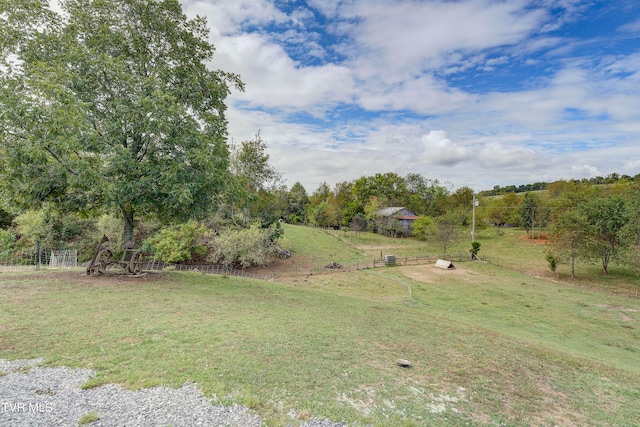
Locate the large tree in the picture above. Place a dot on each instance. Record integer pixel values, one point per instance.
(110, 105)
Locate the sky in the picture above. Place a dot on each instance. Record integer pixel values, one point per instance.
(472, 93)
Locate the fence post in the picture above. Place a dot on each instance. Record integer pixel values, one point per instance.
(38, 255)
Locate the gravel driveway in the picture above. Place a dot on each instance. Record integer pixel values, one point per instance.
(31, 395)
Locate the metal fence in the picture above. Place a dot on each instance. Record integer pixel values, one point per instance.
(39, 258)
(154, 265)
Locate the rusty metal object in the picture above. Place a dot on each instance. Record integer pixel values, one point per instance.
(104, 262)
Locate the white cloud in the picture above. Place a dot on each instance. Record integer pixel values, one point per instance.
(394, 57)
(228, 17)
(500, 156)
(438, 149)
(632, 167)
(583, 171)
(403, 38)
(274, 80)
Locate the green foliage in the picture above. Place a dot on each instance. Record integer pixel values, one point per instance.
(503, 210)
(7, 242)
(606, 220)
(89, 418)
(424, 227)
(244, 247)
(297, 199)
(113, 107)
(178, 243)
(57, 230)
(446, 231)
(254, 192)
(568, 234)
(475, 248)
(5, 219)
(111, 227)
(250, 164)
(528, 211)
(31, 226)
(552, 261)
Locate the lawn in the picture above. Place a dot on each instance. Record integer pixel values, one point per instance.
(489, 345)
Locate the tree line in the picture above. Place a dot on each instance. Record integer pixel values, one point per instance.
(537, 186)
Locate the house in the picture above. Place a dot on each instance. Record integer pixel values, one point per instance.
(395, 221)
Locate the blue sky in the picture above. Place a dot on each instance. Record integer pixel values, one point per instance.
(471, 92)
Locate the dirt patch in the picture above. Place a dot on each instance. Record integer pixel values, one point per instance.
(622, 311)
(433, 274)
(542, 240)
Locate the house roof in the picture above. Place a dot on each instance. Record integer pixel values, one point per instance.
(390, 211)
(396, 209)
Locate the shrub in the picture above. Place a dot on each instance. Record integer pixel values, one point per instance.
(111, 227)
(423, 227)
(475, 248)
(7, 242)
(184, 242)
(245, 247)
(31, 226)
(552, 261)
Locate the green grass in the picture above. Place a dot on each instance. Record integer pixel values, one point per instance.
(88, 418)
(316, 247)
(511, 250)
(502, 348)
(490, 345)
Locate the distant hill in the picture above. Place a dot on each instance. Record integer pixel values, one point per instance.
(537, 186)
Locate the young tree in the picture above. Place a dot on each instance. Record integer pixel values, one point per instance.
(503, 210)
(253, 192)
(446, 231)
(569, 234)
(111, 107)
(606, 219)
(423, 227)
(297, 200)
(250, 165)
(528, 211)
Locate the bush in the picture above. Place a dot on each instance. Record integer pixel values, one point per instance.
(184, 242)
(246, 247)
(31, 226)
(552, 261)
(475, 248)
(111, 227)
(423, 227)
(7, 242)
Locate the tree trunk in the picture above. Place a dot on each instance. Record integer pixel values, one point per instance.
(127, 232)
(605, 263)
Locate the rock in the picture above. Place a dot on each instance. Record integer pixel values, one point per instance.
(403, 363)
(333, 265)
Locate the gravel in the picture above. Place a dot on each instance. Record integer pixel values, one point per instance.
(31, 395)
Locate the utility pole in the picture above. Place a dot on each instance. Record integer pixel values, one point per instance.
(473, 219)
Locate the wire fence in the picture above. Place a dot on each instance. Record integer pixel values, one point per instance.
(39, 258)
(154, 265)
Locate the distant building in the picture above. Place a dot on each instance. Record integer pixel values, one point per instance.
(395, 221)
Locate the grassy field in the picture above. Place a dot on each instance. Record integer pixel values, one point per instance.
(490, 344)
